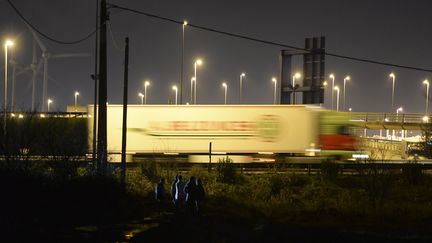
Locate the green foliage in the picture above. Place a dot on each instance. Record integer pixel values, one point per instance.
(267, 196)
(150, 169)
(59, 138)
(226, 171)
(137, 183)
(329, 169)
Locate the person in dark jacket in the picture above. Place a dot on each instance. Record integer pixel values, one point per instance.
(160, 193)
(200, 195)
(180, 196)
(191, 190)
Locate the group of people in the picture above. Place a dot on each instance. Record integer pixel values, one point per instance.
(187, 195)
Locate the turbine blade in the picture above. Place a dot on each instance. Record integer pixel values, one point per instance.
(36, 37)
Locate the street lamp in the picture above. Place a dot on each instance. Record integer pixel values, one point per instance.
(146, 84)
(296, 75)
(274, 94)
(226, 88)
(7, 44)
(49, 104)
(426, 82)
(198, 62)
(332, 93)
(142, 97)
(76, 98)
(182, 61)
(393, 77)
(241, 86)
(191, 93)
(400, 109)
(174, 87)
(344, 90)
(325, 86)
(337, 97)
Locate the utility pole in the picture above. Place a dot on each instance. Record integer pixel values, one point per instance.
(95, 78)
(102, 111)
(125, 101)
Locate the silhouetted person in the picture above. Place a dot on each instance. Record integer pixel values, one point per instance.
(180, 195)
(160, 193)
(200, 195)
(173, 189)
(191, 190)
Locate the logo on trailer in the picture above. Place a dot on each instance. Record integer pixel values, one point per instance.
(268, 128)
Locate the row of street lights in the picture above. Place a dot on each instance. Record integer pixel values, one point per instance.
(193, 85)
(143, 97)
(336, 88)
(348, 78)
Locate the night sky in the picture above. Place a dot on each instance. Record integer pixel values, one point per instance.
(387, 30)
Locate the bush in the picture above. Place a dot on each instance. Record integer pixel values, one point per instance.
(150, 169)
(329, 169)
(226, 171)
(137, 183)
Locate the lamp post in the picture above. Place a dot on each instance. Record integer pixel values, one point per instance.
(400, 109)
(241, 86)
(274, 94)
(76, 98)
(174, 87)
(7, 44)
(182, 61)
(198, 62)
(191, 93)
(337, 97)
(146, 84)
(397, 111)
(225, 86)
(49, 102)
(296, 75)
(325, 86)
(142, 97)
(344, 90)
(426, 82)
(332, 92)
(393, 77)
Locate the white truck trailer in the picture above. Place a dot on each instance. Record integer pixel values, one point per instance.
(232, 129)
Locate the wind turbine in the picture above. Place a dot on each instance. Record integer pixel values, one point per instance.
(44, 59)
(35, 68)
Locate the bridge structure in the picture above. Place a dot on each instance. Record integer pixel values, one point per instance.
(391, 121)
(390, 147)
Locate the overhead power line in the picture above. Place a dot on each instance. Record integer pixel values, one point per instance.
(266, 41)
(45, 35)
